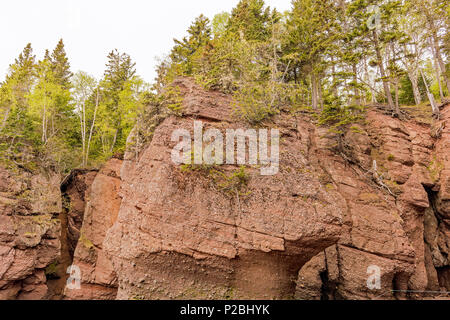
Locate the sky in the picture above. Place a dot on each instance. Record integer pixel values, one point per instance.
(92, 28)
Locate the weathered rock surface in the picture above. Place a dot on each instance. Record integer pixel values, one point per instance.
(398, 225)
(102, 202)
(178, 235)
(29, 232)
(340, 208)
(76, 188)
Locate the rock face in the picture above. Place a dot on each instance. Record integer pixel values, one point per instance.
(438, 235)
(330, 214)
(76, 188)
(102, 202)
(179, 235)
(29, 232)
(359, 215)
(387, 222)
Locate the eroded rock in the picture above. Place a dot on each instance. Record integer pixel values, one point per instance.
(29, 232)
(98, 279)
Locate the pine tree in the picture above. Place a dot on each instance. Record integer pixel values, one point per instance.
(119, 70)
(376, 36)
(15, 90)
(219, 23)
(199, 34)
(311, 33)
(251, 19)
(21, 73)
(60, 65)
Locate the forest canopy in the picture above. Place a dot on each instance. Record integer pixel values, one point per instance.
(329, 57)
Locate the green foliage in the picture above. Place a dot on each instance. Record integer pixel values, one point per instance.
(61, 66)
(37, 114)
(253, 103)
(322, 57)
(172, 99)
(85, 241)
(220, 23)
(232, 184)
(51, 118)
(118, 87)
(51, 272)
(199, 35)
(250, 20)
(312, 30)
(406, 95)
(151, 110)
(338, 117)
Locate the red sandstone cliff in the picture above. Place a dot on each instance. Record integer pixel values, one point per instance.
(29, 232)
(152, 230)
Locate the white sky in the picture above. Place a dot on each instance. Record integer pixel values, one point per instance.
(92, 28)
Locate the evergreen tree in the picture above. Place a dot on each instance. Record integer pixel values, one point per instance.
(199, 34)
(251, 19)
(311, 33)
(15, 125)
(119, 70)
(375, 34)
(21, 74)
(219, 23)
(60, 65)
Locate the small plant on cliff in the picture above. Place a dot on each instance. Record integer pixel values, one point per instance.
(204, 168)
(51, 272)
(253, 104)
(339, 117)
(435, 167)
(172, 99)
(232, 184)
(86, 242)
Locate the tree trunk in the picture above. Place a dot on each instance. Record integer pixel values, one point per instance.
(411, 67)
(114, 142)
(5, 118)
(372, 88)
(437, 70)
(437, 52)
(44, 122)
(314, 90)
(355, 83)
(397, 105)
(415, 86)
(387, 90)
(434, 107)
(92, 128)
(83, 134)
(333, 66)
(320, 92)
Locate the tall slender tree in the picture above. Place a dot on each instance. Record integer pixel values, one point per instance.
(61, 66)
